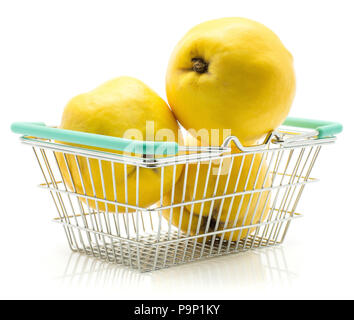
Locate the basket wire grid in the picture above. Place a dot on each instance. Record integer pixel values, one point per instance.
(228, 219)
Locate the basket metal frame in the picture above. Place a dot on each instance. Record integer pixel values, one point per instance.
(143, 239)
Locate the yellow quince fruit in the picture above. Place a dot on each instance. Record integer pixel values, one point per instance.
(246, 174)
(120, 108)
(233, 75)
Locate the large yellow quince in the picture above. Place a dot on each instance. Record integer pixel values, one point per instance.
(245, 173)
(233, 74)
(120, 108)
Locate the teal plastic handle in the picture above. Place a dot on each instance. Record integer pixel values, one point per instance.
(40, 130)
(326, 129)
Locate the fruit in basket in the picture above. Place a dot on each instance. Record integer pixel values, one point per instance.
(180, 216)
(249, 174)
(206, 182)
(231, 74)
(121, 108)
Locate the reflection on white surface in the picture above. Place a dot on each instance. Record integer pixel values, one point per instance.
(254, 268)
(244, 269)
(89, 271)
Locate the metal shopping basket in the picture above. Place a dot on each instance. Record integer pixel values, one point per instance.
(211, 200)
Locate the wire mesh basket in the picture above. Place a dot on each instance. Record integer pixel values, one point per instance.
(210, 201)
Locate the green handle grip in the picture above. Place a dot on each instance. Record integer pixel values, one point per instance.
(325, 129)
(40, 130)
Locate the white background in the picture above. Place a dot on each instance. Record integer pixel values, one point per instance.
(53, 50)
